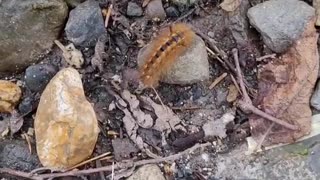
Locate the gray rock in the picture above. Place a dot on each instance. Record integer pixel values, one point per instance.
(134, 9)
(184, 2)
(85, 24)
(38, 76)
(147, 172)
(315, 99)
(28, 28)
(191, 67)
(15, 154)
(74, 3)
(280, 22)
(155, 10)
(172, 12)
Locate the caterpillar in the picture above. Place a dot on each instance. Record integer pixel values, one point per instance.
(171, 43)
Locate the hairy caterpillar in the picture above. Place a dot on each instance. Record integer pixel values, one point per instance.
(171, 42)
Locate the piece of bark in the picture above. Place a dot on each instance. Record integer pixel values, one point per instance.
(285, 87)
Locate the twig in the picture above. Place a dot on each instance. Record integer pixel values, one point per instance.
(106, 22)
(90, 160)
(104, 168)
(272, 56)
(218, 80)
(246, 104)
(258, 146)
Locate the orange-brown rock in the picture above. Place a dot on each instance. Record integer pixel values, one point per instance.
(66, 126)
(10, 94)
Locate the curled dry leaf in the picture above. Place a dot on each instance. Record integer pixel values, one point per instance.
(285, 87)
(230, 5)
(72, 55)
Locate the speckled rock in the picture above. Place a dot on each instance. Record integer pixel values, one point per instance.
(28, 29)
(191, 67)
(85, 24)
(66, 126)
(281, 22)
(10, 94)
(134, 9)
(38, 76)
(147, 172)
(154, 10)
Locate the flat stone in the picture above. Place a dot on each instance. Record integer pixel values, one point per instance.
(147, 172)
(10, 94)
(28, 29)
(281, 22)
(134, 9)
(66, 126)
(315, 99)
(191, 67)
(154, 10)
(85, 24)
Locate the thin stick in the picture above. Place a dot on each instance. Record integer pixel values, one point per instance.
(89, 160)
(158, 97)
(218, 80)
(105, 168)
(246, 103)
(106, 22)
(240, 77)
(258, 146)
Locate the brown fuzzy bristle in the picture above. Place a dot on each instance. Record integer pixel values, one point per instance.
(171, 43)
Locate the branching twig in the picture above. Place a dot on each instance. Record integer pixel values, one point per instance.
(116, 166)
(246, 103)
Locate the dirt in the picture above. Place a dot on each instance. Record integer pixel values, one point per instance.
(122, 53)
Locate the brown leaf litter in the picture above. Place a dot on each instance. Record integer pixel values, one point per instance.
(285, 87)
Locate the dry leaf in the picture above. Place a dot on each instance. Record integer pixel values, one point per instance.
(285, 87)
(217, 128)
(230, 5)
(233, 93)
(72, 55)
(99, 53)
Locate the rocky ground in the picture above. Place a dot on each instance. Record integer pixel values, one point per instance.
(62, 103)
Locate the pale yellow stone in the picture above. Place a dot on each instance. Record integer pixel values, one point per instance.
(66, 127)
(10, 94)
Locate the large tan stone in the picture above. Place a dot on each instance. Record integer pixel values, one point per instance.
(66, 126)
(10, 94)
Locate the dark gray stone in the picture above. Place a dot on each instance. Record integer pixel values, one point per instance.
(85, 24)
(315, 99)
(155, 10)
(172, 12)
(38, 76)
(134, 9)
(28, 29)
(280, 22)
(15, 154)
(73, 3)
